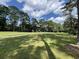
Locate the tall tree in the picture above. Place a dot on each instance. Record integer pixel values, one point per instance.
(14, 15)
(70, 25)
(4, 11)
(25, 21)
(34, 24)
(70, 5)
(78, 21)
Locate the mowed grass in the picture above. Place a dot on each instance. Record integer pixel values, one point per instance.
(40, 45)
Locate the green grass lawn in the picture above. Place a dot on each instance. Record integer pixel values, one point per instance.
(40, 45)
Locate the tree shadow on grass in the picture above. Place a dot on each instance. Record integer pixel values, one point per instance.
(10, 48)
(38, 52)
(8, 45)
(60, 42)
(50, 53)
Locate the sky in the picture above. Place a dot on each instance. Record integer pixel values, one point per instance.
(46, 9)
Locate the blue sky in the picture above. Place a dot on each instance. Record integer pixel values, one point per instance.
(15, 3)
(47, 9)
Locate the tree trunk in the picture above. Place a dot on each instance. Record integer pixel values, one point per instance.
(78, 22)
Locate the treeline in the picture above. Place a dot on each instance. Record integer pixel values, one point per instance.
(13, 19)
(71, 25)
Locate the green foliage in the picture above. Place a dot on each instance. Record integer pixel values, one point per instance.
(2, 23)
(4, 10)
(51, 26)
(70, 25)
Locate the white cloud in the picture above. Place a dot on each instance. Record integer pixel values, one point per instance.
(52, 18)
(4, 2)
(74, 12)
(58, 19)
(61, 19)
(38, 8)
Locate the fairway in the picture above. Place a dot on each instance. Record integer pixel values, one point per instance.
(40, 45)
